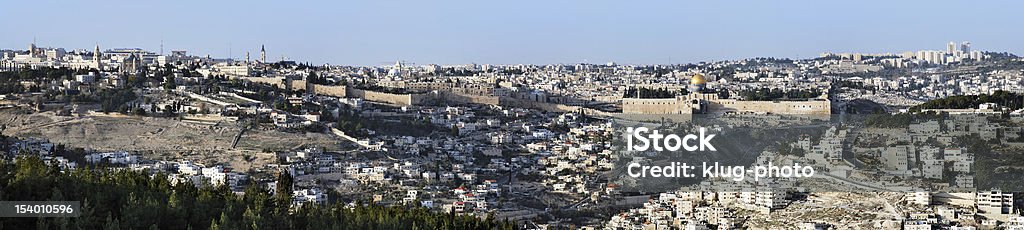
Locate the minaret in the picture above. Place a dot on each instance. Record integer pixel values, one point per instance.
(263, 54)
(32, 48)
(246, 57)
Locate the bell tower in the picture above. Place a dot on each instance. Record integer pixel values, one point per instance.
(96, 56)
(263, 54)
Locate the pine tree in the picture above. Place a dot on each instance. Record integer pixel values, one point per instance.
(213, 225)
(283, 194)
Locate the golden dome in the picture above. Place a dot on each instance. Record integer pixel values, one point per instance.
(697, 79)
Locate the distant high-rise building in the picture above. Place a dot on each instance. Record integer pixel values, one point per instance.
(965, 47)
(907, 55)
(977, 55)
(951, 48)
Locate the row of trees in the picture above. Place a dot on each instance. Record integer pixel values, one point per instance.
(852, 85)
(1003, 98)
(11, 81)
(642, 92)
(111, 100)
(351, 123)
(318, 79)
(126, 199)
(451, 71)
(900, 120)
(284, 105)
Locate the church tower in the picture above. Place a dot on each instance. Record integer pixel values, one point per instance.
(96, 56)
(263, 54)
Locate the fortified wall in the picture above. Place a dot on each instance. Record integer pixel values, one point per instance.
(655, 106)
(711, 104)
(391, 98)
(810, 107)
(277, 81)
(455, 97)
(418, 98)
(344, 91)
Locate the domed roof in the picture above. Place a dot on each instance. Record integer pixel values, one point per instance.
(697, 79)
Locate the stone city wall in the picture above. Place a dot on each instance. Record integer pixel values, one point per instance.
(330, 90)
(813, 107)
(718, 106)
(278, 81)
(469, 98)
(653, 106)
(550, 107)
(390, 98)
(420, 98)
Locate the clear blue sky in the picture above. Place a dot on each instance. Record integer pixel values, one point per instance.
(508, 32)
